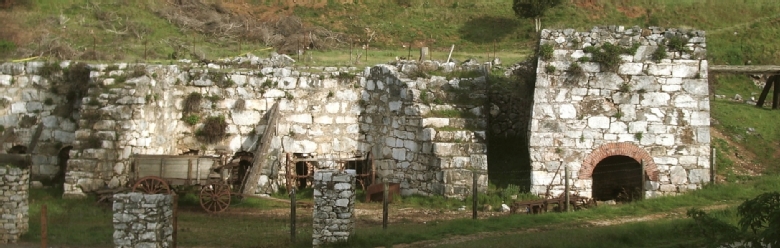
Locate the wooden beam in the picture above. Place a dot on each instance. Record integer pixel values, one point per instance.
(747, 69)
(765, 91)
(776, 96)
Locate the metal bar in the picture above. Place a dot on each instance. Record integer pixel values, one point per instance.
(384, 204)
(329, 159)
(189, 172)
(373, 168)
(197, 168)
(474, 176)
(642, 192)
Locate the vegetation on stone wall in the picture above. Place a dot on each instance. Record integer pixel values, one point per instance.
(213, 130)
(191, 104)
(608, 55)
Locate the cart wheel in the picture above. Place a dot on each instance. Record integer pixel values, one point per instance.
(215, 197)
(151, 185)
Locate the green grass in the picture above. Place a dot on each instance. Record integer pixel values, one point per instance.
(451, 113)
(728, 194)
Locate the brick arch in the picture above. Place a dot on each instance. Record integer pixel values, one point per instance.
(618, 149)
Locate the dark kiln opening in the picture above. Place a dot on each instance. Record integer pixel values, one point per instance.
(617, 178)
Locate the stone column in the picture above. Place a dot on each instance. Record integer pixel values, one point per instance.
(142, 220)
(334, 205)
(14, 216)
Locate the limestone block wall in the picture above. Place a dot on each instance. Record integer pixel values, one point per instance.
(27, 102)
(407, 144)
(334, 207)
(647, 109)
(142, 220)
(14, 193)
(325, 112)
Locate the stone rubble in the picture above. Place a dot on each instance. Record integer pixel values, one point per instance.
(143, 220)
(14, 194)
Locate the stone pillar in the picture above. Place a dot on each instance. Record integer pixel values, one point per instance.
(334, 204)
(142, 220)
(14, 217)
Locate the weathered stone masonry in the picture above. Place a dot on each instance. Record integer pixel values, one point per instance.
(142, 220)
(657, 112)
(334, 207)
(14, 193)
(138, 109)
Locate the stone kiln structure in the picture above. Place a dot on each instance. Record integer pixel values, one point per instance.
(602, 123)
(14, 192)
(324, 113)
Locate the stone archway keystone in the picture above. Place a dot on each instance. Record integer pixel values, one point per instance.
(618, 149)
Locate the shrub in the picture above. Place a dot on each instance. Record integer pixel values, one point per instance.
(638, 136)
(608, 55)
(213, 129)
(546, 52)
(660, 53)
(137, 71)
(624, 88)
(192, 103)
(6, 46)
(576, 70)
(677, 43)
(191, 119)
(549, 69)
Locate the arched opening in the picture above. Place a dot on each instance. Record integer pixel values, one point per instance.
(62, 165)
(17, 149)
(617, 178)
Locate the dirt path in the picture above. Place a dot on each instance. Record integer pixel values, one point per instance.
(677, 213)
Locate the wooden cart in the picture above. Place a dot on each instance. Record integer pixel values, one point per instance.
(156, 174)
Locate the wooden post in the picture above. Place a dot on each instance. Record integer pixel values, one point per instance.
(145, 50)
(423, 53)
(44, 227)
(474, 177)
(409, 56)
(175, 234)
(292, 215)
(713, 170)
(351, 44)
(384, 204)
(776, 95)
(765, 91)
(566, 187)
(450, 56)
(642, 191)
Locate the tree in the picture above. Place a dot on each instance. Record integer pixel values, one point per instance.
(762, 216)
(533, 9)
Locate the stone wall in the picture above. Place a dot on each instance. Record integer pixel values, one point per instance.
(27, 103)
(325, 113)
(654, 111)
(426, 154)
(14, 193)
(334, 206)
(142, 220)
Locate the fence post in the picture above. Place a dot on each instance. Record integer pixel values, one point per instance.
(713, 170)
(474, 195)
(175, 234)
(566, 187)
(384, 204)
(44, 227)
(292, 215)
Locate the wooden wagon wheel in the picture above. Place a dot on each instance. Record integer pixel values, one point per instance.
(151, 185)
(215, 197)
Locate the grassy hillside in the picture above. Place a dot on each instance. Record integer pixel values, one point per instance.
(136, 29)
